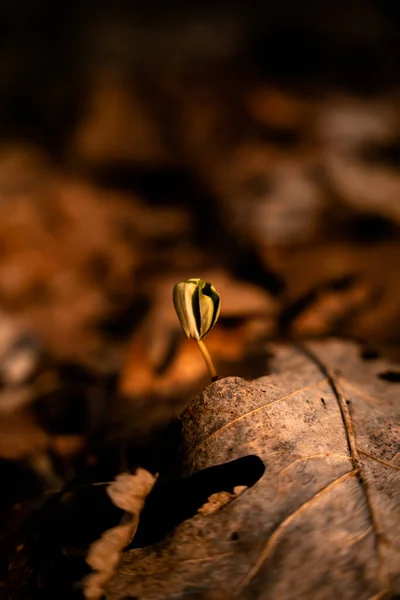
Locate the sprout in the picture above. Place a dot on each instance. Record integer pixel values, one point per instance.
(197, 305)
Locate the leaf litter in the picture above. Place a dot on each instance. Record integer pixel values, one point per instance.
(129, 493)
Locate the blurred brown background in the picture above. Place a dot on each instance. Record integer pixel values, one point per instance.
(255, 146)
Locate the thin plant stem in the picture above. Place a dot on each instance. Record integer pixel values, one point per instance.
(207, 358)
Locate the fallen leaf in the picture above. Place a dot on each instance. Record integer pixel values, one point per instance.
(220, 499)
(331, 307)
(129, 493)
(340, 287)
(321, 522)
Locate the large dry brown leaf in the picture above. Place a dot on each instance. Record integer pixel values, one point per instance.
(322, 522)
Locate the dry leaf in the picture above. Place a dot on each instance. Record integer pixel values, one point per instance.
(220, 499)
(129, 493)
(341, 287)
(322, 521)
(330, 307)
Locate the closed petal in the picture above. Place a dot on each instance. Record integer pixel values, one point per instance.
(183, 302)
(207, 310)
(216, 298)
(197, 304)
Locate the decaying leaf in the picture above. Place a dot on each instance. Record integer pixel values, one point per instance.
(322, 520)
(220, 499)
(129, 493)
(343, 288)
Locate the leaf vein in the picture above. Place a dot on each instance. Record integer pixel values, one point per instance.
(359, 537)
(268, 547)
(351, 439)
(255, 410)
(323, 455)
(379, 460)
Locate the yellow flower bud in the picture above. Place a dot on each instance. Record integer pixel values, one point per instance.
(197, 305)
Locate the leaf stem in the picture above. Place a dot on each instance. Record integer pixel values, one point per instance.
(207, 358)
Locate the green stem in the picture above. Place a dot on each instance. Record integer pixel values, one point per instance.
(207, 358)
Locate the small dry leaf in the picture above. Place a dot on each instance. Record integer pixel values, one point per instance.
(215, 502)
(220, 499)
(129, 493)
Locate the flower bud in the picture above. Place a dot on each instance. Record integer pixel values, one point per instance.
(197, 305)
